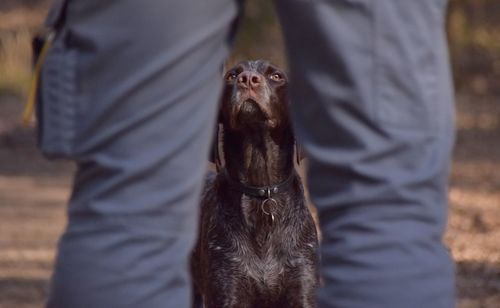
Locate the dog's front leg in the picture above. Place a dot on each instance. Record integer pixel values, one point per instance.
(229, 293)
(301, 289)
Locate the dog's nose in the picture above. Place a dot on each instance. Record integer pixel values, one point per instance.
(249, 80)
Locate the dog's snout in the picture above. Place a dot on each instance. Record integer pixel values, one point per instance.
(249, 80)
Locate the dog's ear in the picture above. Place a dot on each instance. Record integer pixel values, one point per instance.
(299, 153)
(215, 153)
(212, 156)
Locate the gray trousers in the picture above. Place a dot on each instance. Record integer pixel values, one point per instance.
(130, 89)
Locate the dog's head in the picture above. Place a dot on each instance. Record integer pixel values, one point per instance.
(255, 96)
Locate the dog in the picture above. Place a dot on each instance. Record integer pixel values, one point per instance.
(257, 244)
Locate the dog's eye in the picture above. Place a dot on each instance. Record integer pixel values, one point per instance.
(231, 76)
(276, 77)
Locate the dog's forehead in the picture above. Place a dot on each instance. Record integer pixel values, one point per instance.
(258, 65)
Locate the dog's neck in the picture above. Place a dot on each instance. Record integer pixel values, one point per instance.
(259, 157)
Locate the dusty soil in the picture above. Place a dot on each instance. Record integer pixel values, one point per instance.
(33, 193)
(474, 225)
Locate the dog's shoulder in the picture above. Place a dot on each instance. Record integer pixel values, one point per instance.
(210, 179)
(210, 198)
(210, 184)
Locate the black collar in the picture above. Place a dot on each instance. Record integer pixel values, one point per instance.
(264, 192)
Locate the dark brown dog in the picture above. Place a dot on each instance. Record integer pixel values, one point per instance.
(257, 244)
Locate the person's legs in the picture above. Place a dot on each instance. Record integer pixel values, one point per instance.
(373, 106)
(141, 81)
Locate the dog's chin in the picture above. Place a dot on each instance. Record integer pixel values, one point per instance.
(251, 114)
(250, 107)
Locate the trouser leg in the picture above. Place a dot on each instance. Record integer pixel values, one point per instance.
(372, 104)
(147, 76)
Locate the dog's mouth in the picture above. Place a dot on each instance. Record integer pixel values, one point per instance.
(249, 111)
(250, 107)
(252, 101)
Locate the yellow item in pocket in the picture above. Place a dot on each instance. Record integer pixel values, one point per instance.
(29, 107)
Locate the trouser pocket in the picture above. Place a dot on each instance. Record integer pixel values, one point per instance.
(56, 95)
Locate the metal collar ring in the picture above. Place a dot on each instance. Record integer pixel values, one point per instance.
(271, 205)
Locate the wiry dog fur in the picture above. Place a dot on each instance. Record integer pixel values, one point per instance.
(246, 257)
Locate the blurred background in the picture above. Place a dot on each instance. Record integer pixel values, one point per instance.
(33, 191)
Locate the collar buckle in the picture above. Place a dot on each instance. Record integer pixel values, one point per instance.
(268, 191)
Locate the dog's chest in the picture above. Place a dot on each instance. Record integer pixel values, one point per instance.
(253, 245)
(265, 271)
(262, 259)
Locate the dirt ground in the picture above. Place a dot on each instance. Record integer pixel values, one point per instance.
(33, 193)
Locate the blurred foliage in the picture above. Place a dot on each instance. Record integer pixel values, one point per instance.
(473, 29)
(259, 34)
(15, 64)
(474, 35)
(19, 20)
